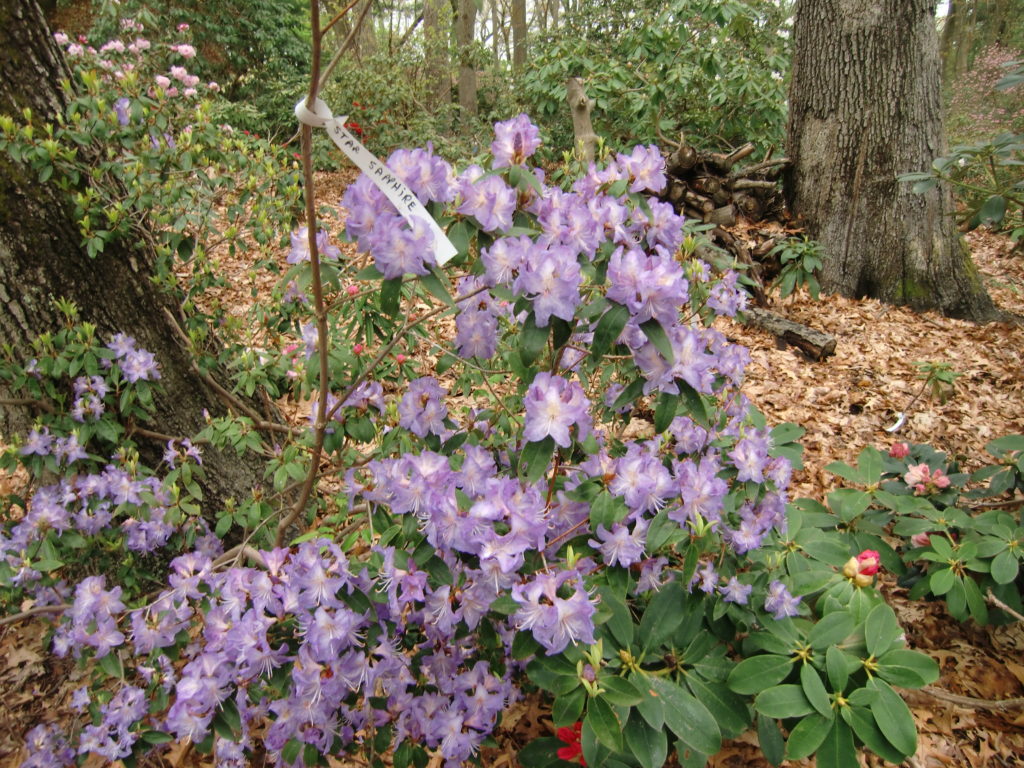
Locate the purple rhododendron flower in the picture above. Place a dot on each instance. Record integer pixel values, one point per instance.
(553, 406)
(422, 409)
(515, 140)
(779, 602)
(299, 250)
(488, 199)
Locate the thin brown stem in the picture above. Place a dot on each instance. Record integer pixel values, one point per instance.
(340, 15)
(37, 611)
(309, 192)
(993, 600)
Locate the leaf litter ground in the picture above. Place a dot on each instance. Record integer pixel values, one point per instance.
(844, 402)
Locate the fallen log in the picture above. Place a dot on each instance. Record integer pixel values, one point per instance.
(817, 345)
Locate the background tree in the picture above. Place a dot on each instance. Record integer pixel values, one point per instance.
(465, 28)
(42, 259)
(865, 107)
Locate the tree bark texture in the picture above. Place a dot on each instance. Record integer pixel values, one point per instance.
(465, 32)
(865, 107)
(41, 259)
(582, 128)
(519, 36)
(436, 28)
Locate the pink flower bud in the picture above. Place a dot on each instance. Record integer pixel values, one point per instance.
(352, 290)
(358, 349)
(899, 450)
(400, 358)
(868, 562)
(921, 539)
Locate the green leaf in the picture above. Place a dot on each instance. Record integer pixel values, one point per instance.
(783, 701)
(993, 211)
(662, 616)
(770, 740)
(941, 581)
(656, 335)
(111, 665)
(648, 745)
(532, 340)
(976, 601)
(807, 736)
(907, 669)
(831, 630)
(605, 723)
(537, 457)
(436, 287)
(567, 708)
(608, 329)
(881, 630)
(687, 718)
(893, 717)
(863, 724)
(759, 673)
(848, 503)
(619, 691)
(1004, 567)
(621, 621)
(730, 711)
(459, 234)
(542, 753)
(837, 750)
(665, 411)
(390, 294)
(814, 690)
(838, 668)
(650, 707)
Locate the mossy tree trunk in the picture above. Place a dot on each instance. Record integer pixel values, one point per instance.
(865, 106)
(41, 260)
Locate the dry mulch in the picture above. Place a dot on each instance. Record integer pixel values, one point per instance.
(844, 402)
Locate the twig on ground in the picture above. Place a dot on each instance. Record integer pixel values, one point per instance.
(993, 600)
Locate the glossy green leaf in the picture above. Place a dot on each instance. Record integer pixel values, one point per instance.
(662, 616)
(648, 745)
(758, 673)
(656, 335)
(567, 708)
(837, 750)
(893, 718)
(605, 724)
(687, 718)
(807, 736)
(941, 581)
(730, 710)
(532, 340)
(837, 668)
(769, 738)
(537, 458)
(814, 690)
(1004, 567)
(831, 630)
(608, 329)
(881, 630)
(864, 725)
(783, 701)
(619, 691)
(907, 669)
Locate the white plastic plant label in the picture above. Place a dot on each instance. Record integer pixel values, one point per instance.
(403, 198)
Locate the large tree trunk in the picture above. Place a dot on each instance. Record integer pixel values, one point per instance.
(864, 108)
(436, 26)
(465, 28)
(519, 36)
(41, 259)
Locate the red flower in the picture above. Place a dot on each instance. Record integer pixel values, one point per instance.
(573, 748)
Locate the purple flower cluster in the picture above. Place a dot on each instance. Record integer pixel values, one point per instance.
(299, 251)
(398, 247)
(476, 324)
(554, 406)
(422, 409)
(136, 364)
(515, 140)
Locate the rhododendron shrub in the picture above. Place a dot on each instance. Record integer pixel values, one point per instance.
(576, 497)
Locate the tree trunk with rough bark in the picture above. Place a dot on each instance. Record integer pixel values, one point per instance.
(436, 27)
(41, 260)
(519, 35)
(465, 28)
(865, 107)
